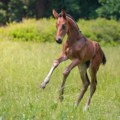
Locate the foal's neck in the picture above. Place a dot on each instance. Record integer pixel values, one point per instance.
(74, 34)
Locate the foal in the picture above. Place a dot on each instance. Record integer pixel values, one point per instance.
(82, 52)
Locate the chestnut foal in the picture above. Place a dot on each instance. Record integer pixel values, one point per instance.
(82, 52)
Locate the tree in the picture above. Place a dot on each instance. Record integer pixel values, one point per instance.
(77, 8)
(42, 6)
(109, 9)
(15, 10)
(3, 12)
(29, 8)
(88, 8)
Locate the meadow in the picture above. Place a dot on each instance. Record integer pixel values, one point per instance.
(24, 65)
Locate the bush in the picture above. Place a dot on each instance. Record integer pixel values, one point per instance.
(101, 30)
(43, 30)
(32, 30)
(3, 17)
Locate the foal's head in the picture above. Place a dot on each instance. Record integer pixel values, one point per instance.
(61, 25)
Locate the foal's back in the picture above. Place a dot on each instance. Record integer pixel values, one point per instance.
(82, 49)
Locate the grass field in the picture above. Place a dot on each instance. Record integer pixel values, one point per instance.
(24, 65)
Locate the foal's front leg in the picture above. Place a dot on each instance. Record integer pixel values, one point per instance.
(55, 64)
(74, 63)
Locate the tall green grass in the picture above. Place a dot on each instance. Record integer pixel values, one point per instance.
(24, 65)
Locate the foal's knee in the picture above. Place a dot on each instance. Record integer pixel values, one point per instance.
(56, 63)
(93, 86)
(66, 72)
(86, 84)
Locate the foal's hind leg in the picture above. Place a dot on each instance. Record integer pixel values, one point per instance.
(95, 63)
(92, 88)
(85, 82)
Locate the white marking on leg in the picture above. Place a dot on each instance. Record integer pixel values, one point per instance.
(55, 64)
(49, 75)
(86, 108)
(47, 79)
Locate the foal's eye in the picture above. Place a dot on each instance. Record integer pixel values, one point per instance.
(63, 27)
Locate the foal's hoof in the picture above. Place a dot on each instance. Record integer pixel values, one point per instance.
(61, 98)
(76, 105)
(42, 85)
(86, 108)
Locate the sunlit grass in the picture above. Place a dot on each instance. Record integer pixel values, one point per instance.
(24, 65)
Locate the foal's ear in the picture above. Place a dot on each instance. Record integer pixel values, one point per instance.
(55, 14)
(63, 14)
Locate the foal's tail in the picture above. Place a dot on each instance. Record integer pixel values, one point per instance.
(103, 59)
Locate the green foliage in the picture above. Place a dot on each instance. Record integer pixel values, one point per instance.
(15, 10)
(88, 8)
(77, 8)
(3, 16)
(72, 7)
(2, 6)
(29, 8)
(101, 30)
(44, 30)
(24, 65)
(109, 9)
(32, 30)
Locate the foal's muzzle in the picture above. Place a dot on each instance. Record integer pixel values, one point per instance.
(59, 41)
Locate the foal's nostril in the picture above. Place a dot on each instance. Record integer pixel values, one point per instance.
(59, 41)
